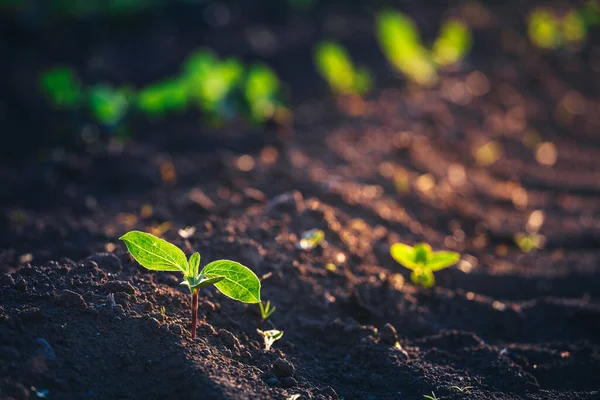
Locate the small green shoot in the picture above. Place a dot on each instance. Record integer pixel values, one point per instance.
(529, 241)
(453, 44)
(462, 389)
(163, 310)
(335, 66)
(108, 105)
(266, 311)
(261, 91)
(62, 86)
(311, 239)
(422, 261)
(270, 337)
(231, 278)
(549, 31)
(432, 397)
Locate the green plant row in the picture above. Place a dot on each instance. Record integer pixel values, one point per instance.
(220, 89)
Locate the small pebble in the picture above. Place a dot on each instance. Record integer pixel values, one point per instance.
(282, 368)
(288, 382)
(69, 298)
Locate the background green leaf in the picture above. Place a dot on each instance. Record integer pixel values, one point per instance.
(442, 259)
(404, 254)
(240, 282)
(155, 253)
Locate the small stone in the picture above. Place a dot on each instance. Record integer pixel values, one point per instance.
(328, 391)
(205, 329)
(376, 381)
(288, 382)
(176, 329)
(206, 352)
(106, 261)
(6, 280)
(229, 339)
(72, 299)
(44, 349)
(287, 202)
(20, 285)
(388, 334)
(272, 381)
(282, 368)
(208, 305)
(119, 286)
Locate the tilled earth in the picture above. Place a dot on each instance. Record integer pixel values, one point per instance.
(80, 320)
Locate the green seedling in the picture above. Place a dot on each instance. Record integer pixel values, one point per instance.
(311, 239)
(432, 397)
(453, 44)
(270, 337)
(62, 86)
(261, 92)
(108, 105)
(462, 389)
(548, 31)
(266, 311)
(529, 241)
(163, 97)
(422, 261)
(163, 310)
(400, 41)
(231, 278)
(335, 66)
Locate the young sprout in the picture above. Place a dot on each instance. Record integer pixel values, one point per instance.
(422, 261)
(266, 311)
(163, 310)
(231, 278)
(336, 67)
(311, 239)
(462, 389)
(432, 397)
(400, 41)
(108, 105)
(261, 91)
(270, 337)
(453, 44)
(62, 86)
(529, 241)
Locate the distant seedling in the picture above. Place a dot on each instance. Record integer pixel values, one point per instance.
(432, 397)
(549, 31)
(270, 337)
(230, 277)
(335, 66)
(422, 261)
(266, 311)
(400, 41)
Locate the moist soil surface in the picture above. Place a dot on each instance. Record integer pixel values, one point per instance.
(79, 319)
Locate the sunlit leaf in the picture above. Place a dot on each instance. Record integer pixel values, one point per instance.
(404, 254)
(442, 259)
(155, 253)
(240, 283)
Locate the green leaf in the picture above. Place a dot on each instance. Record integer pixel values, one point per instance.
(442, 259)
(194, 262)
(154, 253)
(404, 254)
(240, 283)
(204, 282)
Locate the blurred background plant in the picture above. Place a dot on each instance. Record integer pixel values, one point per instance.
(335, 66)
(551, 30)
(400, 41)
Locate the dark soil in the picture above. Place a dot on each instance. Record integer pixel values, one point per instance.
(80, 320)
